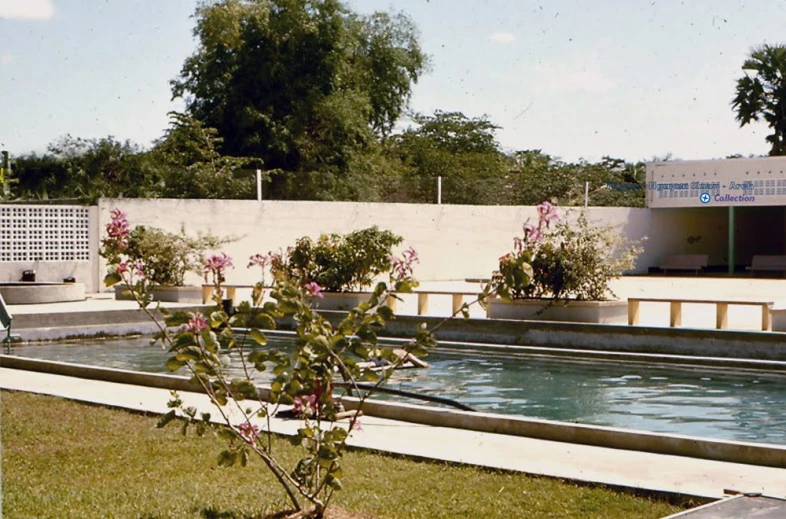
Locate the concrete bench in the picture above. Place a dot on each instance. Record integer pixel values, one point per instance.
(721, 310)
(457, 297)
(767, 264)
(694, 262)
(229, 290)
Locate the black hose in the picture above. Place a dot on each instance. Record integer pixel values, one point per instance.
(408, 394)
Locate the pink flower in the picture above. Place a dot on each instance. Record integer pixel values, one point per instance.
(117, 229)
(217, 265)
(547, 213)
(531, 233)
(411, 256)
(259, 260)
(196, 324)
(248, 432)
(356, 426)
(140, 269)
(122, 267)
(306, 405)
(313, 289)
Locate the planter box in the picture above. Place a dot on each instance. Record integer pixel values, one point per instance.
(345, 300)
(190, 294)
(599, 312)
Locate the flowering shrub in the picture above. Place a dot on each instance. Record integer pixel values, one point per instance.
(167, 257)
(339, 263)
(303, 376)
(562, 259)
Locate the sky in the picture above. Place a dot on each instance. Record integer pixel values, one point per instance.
(577, 79)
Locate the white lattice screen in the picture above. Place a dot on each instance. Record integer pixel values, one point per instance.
(44, 233)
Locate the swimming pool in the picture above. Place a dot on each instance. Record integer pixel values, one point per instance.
(697, 402)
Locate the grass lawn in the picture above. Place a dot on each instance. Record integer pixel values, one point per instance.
(65, 459)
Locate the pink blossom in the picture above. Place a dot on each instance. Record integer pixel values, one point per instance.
(196, 324)
(248, 432)
(121, 268)
(531, 233)
(356, 426)
(217, 265)
(411, 256)
(313, 289)
(306, 405)
(117, 229)
(140, 269)
(259, 260)
(547, 213)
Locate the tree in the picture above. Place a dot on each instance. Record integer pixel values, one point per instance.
(86, 169)
(303, 85)
(462, 150)
(193, 167)
(763, 95)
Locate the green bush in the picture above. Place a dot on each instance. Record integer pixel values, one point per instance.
(563, 260)
(339, 263)
(166, 256)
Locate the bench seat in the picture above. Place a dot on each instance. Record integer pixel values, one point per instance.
(721, 310)
(763, 263)
(685, 262)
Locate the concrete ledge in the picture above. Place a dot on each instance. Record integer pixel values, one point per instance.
(26, 293)
(752, 345)
(89, 318)
(694, 447)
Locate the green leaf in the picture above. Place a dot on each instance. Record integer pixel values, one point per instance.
(258, 336)
(333, 482)
(227, 458)
(178, 319)
(174, 364)
(166, 419)
(113, 278)
(263, 321)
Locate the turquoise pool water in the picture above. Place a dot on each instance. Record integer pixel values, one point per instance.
(709, 403)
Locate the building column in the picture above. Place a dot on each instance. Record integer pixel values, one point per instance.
(732, 236)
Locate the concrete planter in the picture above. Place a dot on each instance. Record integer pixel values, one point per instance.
(599, 312)
(189, 294)
(24, 293)
(345, 300)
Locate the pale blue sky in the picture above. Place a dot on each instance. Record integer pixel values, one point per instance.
(577, 79)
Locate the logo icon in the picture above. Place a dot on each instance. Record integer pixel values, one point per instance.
(705, 198)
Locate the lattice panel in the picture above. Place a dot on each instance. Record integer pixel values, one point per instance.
(44, 233)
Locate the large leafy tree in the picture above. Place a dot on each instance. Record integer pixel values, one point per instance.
(192, 167)
(763, 94)
(462, 150)
(304, 85)
(86, 169)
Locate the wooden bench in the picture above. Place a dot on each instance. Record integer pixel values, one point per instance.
(230, 292)
(721, 310)
(767, 264)
(5, 324)
(694, 262)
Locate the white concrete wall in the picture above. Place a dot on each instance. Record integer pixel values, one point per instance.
(454, 241)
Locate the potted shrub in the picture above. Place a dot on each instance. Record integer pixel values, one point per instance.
(163, 259)
(560, 270)
(338, 267)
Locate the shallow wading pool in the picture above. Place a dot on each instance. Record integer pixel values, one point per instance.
(697, 402)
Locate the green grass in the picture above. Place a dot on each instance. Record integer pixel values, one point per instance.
(64, 459)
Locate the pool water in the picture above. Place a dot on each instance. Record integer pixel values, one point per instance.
(709, 403)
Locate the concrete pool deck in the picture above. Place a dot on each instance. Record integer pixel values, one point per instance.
(652, 314)
(601, 465)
